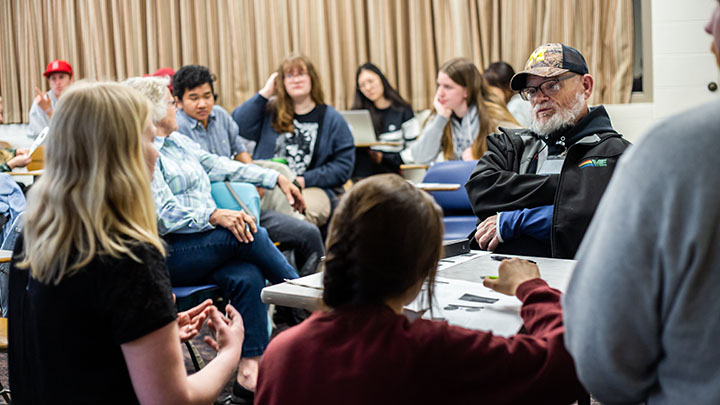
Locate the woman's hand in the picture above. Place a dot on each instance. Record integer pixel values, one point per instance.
(229, 330)
(241, 225)
(269, 88)
(440, 108)
(292, 193)
(19, 161)
(190, 321)
(512, 273)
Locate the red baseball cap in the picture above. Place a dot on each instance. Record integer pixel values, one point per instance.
(57, 66)
(162, 72)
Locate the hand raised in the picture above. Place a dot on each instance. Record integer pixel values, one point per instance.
(43, 100)
(269, 88)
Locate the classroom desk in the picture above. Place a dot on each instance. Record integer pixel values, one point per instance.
(33, 173)
(306, 292)
(371, 144)
(5, 256)
(437, 186)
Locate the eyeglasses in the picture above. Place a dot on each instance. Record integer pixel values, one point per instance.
(295, 74)
(548, 88)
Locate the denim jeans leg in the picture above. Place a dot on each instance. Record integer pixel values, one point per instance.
(301, 236)
(243, 281)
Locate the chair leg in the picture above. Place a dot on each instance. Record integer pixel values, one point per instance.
(5, 393)
(197, 360)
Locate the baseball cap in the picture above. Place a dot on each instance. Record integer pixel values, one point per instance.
(550, 60)
(58, 66)
(162, 72)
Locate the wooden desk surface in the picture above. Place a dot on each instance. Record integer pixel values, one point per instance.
(3, 333)
(369, 144)
(5, 256)
(413, 167)
(28, 173)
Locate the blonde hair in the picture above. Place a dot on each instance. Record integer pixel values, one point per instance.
(154, 88)
(94, 197)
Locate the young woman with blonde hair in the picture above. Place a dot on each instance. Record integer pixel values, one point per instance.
(289, 119)
(91, 314)
(465, 111)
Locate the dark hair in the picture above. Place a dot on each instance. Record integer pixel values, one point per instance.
(498, 74)
(384, 238)
(363, 103)
(282, 106)
(191, 76)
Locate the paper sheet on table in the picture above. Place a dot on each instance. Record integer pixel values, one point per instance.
(502, 316)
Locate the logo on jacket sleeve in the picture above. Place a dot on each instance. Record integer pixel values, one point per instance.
(593, 163)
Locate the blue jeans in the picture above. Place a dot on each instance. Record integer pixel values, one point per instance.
(240, 269)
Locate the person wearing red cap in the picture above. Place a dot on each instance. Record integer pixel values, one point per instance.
(60, 75)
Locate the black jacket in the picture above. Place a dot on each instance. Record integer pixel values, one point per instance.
(505, 179)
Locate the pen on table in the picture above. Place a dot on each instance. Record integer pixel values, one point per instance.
(501, 258)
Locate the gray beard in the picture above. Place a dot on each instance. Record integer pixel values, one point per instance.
(562, 119)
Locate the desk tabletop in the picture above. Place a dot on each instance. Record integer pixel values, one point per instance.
(306, 292)
(370, 144)
(27, 173)
(438, 186)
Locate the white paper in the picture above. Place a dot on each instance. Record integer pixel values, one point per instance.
(502, 317)
(39, 140)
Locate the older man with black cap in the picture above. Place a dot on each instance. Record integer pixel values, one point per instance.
(536, 190)
(60, 75)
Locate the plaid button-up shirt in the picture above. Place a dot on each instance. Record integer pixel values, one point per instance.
(181, 183)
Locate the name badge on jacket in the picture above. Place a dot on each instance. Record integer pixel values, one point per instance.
(552, 165)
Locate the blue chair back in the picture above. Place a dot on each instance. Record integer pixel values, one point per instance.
(246, 191)
(454, 171)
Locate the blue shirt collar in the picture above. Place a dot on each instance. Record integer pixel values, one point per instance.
(193, 122)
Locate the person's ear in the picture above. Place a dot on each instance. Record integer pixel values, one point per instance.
(588, 85)
(178, 102)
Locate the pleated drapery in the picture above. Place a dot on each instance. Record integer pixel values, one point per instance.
(242, 41)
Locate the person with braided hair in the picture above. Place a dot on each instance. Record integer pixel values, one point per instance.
(364, 350)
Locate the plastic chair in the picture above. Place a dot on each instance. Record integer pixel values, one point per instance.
(459, 218)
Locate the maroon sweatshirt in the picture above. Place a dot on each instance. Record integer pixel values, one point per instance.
(373, 355)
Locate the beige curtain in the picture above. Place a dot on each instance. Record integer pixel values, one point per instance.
(243, 41)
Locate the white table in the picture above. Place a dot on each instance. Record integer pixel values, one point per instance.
(306, 292)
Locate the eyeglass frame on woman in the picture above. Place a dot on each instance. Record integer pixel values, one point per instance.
(554, 80)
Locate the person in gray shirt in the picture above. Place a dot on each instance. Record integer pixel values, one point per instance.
(641, 308)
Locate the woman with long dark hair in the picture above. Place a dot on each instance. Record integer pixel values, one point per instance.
(383, 247)
(393, 120)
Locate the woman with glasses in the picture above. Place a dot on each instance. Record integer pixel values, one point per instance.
(206, 243)
(363, 350)
(290, 121)
(91, 313)
(392, 118)
(464, 113)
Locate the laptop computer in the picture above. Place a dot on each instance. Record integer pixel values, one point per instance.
(361, 126)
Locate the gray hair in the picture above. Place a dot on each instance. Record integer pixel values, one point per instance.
(154, 88)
